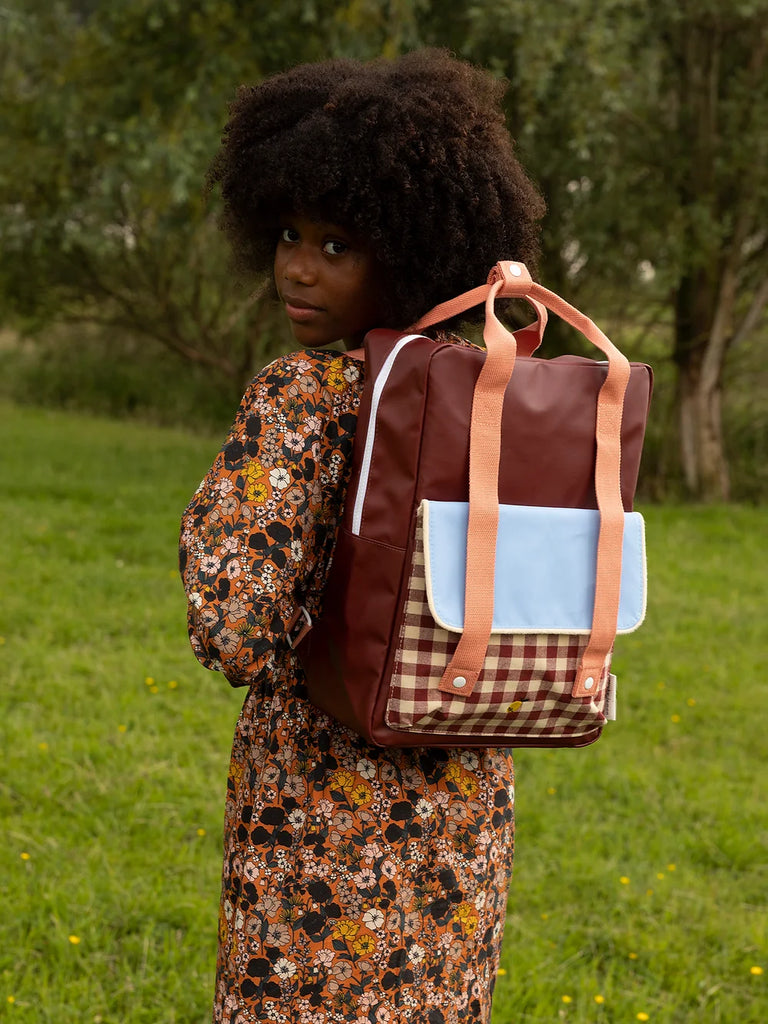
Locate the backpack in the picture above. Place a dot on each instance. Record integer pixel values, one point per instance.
(488, 553)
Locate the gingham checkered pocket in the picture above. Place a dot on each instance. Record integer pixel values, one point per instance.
(524, 690)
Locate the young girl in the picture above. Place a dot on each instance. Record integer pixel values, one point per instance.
(359, 884)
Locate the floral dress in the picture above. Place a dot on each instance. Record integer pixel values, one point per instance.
(359, 884)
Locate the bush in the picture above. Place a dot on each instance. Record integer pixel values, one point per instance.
(115, 375)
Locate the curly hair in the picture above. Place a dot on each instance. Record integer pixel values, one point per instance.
(412, 155)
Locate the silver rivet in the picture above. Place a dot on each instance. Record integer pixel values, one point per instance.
(459, 682)
(514, 270)
(589, 683)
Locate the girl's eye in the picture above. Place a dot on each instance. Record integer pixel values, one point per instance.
(289, 235)
(335, 248)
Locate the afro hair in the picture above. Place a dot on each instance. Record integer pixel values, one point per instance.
(412, 155)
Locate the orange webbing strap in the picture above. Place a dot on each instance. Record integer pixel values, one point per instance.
(459, 678)
(527, 338)
(610, 406)
(461, 674)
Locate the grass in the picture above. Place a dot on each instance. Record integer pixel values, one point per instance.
(641, 871)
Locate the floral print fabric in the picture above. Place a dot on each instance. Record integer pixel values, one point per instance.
(360, 886)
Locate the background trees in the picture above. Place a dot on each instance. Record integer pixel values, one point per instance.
(646, 125)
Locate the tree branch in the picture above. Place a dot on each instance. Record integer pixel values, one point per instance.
(753, 314)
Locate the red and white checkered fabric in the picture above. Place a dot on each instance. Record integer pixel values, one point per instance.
(523, 693)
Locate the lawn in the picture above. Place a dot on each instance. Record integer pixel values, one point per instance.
(642, 862)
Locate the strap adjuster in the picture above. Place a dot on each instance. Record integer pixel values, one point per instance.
(303, 620)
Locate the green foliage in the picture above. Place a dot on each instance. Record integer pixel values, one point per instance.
(112, 113)
(112, 374)
(112, 772)
(113, 120)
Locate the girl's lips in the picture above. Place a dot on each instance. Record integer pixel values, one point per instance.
(301, 314)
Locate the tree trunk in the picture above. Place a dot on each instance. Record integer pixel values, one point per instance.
(704, 330)
(705, 467)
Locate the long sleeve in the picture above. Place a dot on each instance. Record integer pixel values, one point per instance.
(260, 528)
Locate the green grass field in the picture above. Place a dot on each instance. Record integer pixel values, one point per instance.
(642, 862)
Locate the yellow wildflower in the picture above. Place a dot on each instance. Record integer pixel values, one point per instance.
(643, 1016)
(624, 880)
(25, 856)
(567, 999)
(756, 970)
(149, 681)
(122, 728)
(173, 685)
(75, 940)
(599, 1000)
(201, 831)
(675, 719)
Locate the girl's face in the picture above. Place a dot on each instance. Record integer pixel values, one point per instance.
(327, 281)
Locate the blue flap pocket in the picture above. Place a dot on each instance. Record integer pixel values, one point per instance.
(545, 568)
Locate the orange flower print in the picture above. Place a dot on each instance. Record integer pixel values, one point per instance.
(257, 493)
(365, 945)
(361, 795)
(345, 929)
(468, 785)
(465, 913)
(336, 378)
(343, 780)
(327, 842)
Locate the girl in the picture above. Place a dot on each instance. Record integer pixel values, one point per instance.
(359, 884)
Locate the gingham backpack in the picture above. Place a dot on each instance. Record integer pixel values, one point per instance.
(488, 553)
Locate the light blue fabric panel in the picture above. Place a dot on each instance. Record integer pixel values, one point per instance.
(545, 568)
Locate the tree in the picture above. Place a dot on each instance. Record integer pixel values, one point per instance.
(713, 75)
(646, 124)
(114, 113)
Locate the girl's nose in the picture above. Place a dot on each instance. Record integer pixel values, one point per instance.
(300, 266)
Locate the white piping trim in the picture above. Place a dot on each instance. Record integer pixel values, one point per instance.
(365, 466)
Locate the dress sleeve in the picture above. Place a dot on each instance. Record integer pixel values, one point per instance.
(261, 523)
